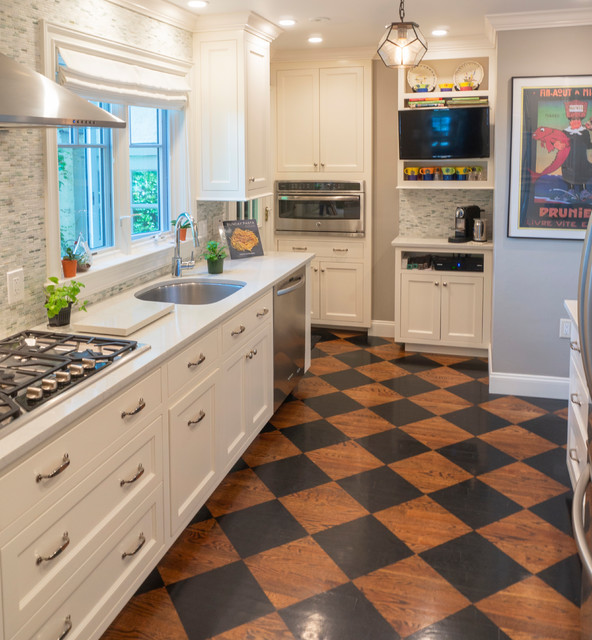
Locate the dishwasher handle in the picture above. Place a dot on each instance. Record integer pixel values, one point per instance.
(577, 512)
(296, 284)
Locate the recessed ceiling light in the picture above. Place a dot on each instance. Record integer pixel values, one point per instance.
(315, 39)
(197, 4)
(287, 22)
(439, 32)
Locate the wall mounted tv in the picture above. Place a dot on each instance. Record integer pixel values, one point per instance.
(442, 133)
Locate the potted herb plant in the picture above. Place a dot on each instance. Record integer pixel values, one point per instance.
(59, 301)
(69, 263)
(214, 253)
(182, 229)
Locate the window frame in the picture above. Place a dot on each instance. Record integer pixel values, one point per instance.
(128, 258)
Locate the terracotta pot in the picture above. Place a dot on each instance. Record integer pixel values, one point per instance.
(183, 234)
(69, 267)
(215, 266)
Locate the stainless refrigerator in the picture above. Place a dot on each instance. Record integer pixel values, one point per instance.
(582, 502)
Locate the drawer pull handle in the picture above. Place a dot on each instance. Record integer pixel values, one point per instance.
(56, 553)
(198, 362)
(574, 398)
(573, 454)
(340, 250)
(141, 405)
(56, 472)
(139, 474)
(263, 312)
(299, 248)
(252, 352)
(200, 417)
(67, 628)
(126, 554)
(574, 346)
(236, 332)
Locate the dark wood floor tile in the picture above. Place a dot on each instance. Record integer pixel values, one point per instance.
(440, 401)
(294, 572)
(150, 616)
(518, 442)
(327, 364)
(436, 432)
(513, 409)
(292, 413)
(523, 484)
(360, 423)
(531, 610)
(312, 387)
(444, 377)
(238, 490)
(382, 371)
(530, 540)
(430, 471)
(269, 627)
(422, 523)
(268, 447)
(369, 395)
(344, 459)
(323, 507)
(198, 549)
(410, 595)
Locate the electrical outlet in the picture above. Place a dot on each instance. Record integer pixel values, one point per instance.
(564, 328)
(15, 283)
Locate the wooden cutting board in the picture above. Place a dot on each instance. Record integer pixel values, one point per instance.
(121, 319)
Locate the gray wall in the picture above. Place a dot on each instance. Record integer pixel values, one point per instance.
(386, 207)
(531, 277)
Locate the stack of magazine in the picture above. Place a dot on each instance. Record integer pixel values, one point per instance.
(466, 100)
(421, 103)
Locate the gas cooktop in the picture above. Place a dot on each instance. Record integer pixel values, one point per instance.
(38, 366)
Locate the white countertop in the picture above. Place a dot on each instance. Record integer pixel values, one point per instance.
(409, 242)
(165, 336)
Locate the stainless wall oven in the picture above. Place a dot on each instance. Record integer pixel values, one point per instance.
(326, 207)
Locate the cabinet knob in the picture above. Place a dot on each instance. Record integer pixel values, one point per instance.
(322, 271)
(322, 164)
(315, 164)
(436, 284)
(574, 346)
(315, 269)
(573, 454)
(444, 284)
(574, 398)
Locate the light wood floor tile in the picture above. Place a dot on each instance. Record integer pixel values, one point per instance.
(370, 395)
(268, 447)
(332, 347)
(410, 595)
(530, 540)
(360, 423)
(384, 370)
(531, 610)
(436, 432)
(328, 364)
(523, 484)
(388, 351)
(445, 359)
(238, 490)
(294, 572)
(269, 627)
(517, 442)
(312, 387)
(430, 471)
(440, 401)
(323, 507)
(444, 377)
(344, 459)
(293, 413)
(513, 409)
(422, 523)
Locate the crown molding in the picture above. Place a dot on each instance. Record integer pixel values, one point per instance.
(244, 20)
(539, 19)
(353, 53)
(166, 12)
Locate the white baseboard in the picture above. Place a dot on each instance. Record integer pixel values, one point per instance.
(521, 384)
(382, 329)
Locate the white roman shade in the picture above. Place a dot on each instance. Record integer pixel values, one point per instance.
(110, 80)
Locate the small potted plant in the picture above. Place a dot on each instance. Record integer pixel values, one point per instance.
(69, 263)
(59, 301)
(214, 254)
(83, 263)
(182, 229)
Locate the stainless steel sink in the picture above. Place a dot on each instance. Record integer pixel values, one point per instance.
(190, 291)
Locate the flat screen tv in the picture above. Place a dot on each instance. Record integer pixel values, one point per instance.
(441, 133)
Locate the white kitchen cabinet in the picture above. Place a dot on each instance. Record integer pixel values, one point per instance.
(322, 119)
(233, 115)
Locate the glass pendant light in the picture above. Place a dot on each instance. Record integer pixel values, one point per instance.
(403, 45)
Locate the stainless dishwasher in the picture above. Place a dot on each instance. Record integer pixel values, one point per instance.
(288, 335)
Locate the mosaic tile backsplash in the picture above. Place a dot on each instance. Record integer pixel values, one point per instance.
(429, 213)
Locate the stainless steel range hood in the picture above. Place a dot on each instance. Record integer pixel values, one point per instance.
(29, 99)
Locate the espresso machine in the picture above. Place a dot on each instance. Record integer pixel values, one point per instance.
(464, 218)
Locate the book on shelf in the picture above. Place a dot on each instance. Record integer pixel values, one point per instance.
(414, 103)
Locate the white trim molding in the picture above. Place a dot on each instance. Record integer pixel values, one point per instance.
(539, 19)
(521, 384)
(382, 329)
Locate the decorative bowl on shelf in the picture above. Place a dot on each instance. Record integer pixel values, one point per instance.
(421, 88)
(446, 86)
(467, 86)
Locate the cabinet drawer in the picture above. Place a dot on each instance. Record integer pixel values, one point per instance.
(37, 562)
(236, 330)
(576, 449)
(107, 578)
(579, 399)
(68, 454)
(191, 362)
(324, 249)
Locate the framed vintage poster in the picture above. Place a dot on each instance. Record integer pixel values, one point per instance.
(243, 238)
(551, 157)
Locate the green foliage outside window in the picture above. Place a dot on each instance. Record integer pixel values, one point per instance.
(145, 192)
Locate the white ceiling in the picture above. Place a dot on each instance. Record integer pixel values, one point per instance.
(361, 23)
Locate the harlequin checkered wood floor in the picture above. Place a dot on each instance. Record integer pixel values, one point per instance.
(391, 497)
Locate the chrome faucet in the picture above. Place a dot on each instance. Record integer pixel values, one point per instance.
(178, 264)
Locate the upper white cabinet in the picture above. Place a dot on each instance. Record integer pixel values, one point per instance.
(233, 100)
(323, 118)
